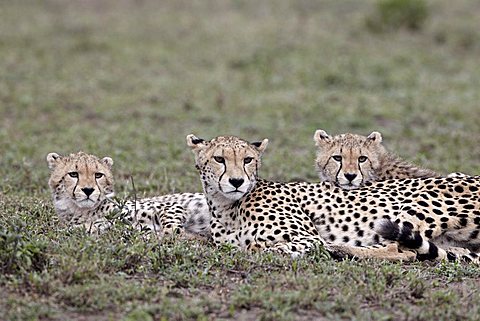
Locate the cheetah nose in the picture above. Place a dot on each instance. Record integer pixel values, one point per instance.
(236, 182)
(350, 177)
(88, 190)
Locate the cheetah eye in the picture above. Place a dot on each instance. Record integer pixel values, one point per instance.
(219, 159)
(338, 158)
(73, 174)
(362, 159)
(247, 160)
(99, 175)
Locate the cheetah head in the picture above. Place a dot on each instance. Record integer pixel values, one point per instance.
(79, 181)
(227, 165)
(348, 160)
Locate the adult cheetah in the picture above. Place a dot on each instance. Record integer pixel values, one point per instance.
(82, 188)
(254, 213)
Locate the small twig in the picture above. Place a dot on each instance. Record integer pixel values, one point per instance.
(134, 190)
(90, 228)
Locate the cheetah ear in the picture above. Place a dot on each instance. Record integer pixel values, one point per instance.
(321, 137)
(195, 143)
(52, 159)
(108, 161)
(260, 146)
(374, 137)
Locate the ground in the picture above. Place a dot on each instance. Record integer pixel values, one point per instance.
(130, 79)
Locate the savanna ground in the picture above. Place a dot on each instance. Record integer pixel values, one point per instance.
(130, 79)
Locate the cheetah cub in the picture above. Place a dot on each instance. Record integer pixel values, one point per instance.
(82, 187)
(351, 160)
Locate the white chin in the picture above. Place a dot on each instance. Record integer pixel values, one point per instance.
(348, 186)
(88, 203)
(234, 195)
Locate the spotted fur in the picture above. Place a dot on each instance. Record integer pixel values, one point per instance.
(82, 186)
(289, 217)
(350, 160)
(255, 214)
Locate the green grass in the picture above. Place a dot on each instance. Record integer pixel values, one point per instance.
(130, 79)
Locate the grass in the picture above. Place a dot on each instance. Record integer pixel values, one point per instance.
(130, 79)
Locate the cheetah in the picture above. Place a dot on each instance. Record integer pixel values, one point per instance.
(351, 160)
(82, 188)
(253, 213)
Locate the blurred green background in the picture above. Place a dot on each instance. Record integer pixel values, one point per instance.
(130, 79)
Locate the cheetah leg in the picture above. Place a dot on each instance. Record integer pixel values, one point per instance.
(161, 220)
(389, 252)
(297, 247)
(198, 218)
(221, 234)
(173, 219)
(464, 253)
(459, 253)
(468, 237)
(302, 245)
(412, 237)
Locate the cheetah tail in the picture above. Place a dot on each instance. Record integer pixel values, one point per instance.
(406, 237)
